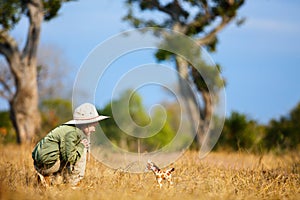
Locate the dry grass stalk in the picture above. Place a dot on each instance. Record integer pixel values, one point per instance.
(219, 176)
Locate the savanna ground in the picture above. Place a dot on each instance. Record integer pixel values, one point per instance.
(218, 176)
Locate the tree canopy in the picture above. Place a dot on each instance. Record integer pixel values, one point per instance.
(140, 117)
(201, 20)
(11, 11)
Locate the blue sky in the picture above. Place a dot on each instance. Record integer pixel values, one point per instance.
(260, 59)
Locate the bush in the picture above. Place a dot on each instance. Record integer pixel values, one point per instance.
(283, 134)
(240, 133)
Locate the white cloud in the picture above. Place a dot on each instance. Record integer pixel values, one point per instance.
(272, 25)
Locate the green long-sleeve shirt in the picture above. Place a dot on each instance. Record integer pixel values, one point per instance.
(61, 143)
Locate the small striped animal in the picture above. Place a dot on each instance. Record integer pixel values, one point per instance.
(160, 175)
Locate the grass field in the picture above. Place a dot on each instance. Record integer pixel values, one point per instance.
(218, 176)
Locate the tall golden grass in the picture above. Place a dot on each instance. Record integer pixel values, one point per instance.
(218, 176)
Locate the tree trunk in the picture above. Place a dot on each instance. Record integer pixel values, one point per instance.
(24, 106)
(190, 99)
(201, 117)
(24, 111)
(207, 114)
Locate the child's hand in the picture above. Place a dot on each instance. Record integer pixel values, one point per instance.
(85, 142)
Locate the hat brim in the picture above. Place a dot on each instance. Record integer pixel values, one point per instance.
(87, 121)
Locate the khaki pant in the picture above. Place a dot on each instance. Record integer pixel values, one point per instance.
(60, 173)
(77, 171)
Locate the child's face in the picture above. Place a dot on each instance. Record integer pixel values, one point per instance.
(90, 128)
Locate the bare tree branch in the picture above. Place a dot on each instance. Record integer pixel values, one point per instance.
(202, 18)
(6, 87)
(9, 48)
(5, 96)
(209, 37)
(156, 4)
(35, 14)
(7, 44)
(173, 9)
(6, 82)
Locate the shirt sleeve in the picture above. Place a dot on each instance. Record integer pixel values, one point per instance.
(74, 149)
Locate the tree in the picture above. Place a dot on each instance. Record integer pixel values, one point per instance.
(137, 113)
(21, 91)
(283, 134)
(127, 111)
(208, 18)
(241, 133)
(54, 112)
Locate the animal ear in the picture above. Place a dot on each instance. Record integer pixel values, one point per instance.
(171, 169)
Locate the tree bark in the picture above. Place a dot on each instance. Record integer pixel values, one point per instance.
(190, 100)
(200, 119)
(180, 21)
(207, 114)
(24, 111)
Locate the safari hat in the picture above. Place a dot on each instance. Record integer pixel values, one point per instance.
(85, 114)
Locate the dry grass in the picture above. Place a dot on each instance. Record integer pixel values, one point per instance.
(218, 176)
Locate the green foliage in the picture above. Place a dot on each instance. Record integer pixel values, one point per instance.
(139, 116)
(204, 14)
(200, 67)
(226, 8)
(4, 119)
(111, 128)
(51, 8)
(177, 17)
(164, 136)
(7, 134)
(54, 112)
(202, 24)
(283, 134)
(240, 133)
(11, 11)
